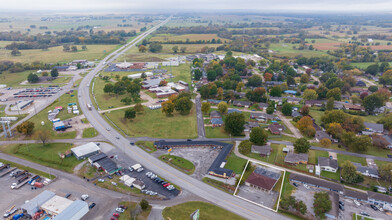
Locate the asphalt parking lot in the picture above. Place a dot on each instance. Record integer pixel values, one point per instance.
(122, 160)
(266, 199)
(202, 158)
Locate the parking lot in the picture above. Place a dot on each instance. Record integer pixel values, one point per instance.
(124, 161)
(307, 196)
(202, 158)
(264, 198)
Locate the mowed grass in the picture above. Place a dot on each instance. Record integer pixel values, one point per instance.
(235, 163)
(287, 188)
(207, 211)
(31, 170)
(146, 145)
(364, 65)
(89, 133)
(63, 115)
(184, 37)
(131, 206)
(181, 72)
(342, 158)
(154, 123)
(47, 155)
(14, 79)
(286, 49)
(57, 55)
(179, 163)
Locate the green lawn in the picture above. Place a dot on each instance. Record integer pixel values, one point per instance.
(146, 145)
(287, 189)
(31, 170)
(364, 65)
(128, 213)
(286, 49)
(331, 175)
(57, 55)
(154, 123)
(90, 133)
(47, 155)
(181, 72)
(63, 115)
(219, 185)
(235, 163)
(342, 158)
(207, 211)
(276, 150)
(179, 163)
(14, 79)
(315, 154)
(316, 114)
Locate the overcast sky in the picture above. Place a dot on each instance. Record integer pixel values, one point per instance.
(177, 5)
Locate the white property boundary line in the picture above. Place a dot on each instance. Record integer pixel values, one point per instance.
(281, 187)
(356, 217)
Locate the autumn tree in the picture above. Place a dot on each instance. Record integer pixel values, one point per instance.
(385, 171)
(142, 48)
(310, 94)
(168, 107)
(304, 122)
(25, 128)
(222, 107)
(349, 173)
(335, 129)
(205, 107)
(139, 108)
(258, 136)
(234, 123)
(267, 76)
(325, 142)
(305, 110)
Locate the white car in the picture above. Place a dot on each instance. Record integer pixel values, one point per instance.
(140, 170)
(119, 210)
(357, 203)
(13, 185)
(306, 186)
(101, 180)
(84, 197)
(114, 184)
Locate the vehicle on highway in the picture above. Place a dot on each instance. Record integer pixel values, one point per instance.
(108, 129)
(120, 210)
(10, 211)
(14, 185)
(132, 143)
(68, 195)
(117, 138)
(356, 203)
(84, 197)
(189, 140)
(92, 205)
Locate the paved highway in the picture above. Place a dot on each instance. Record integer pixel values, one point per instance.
(213, 195)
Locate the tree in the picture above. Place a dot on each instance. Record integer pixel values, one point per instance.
(108, 88)
(301, 207)
(322, 92)
(335, 129)
(211, 75)
(32, 78)
(290, 81)
(25, 128)
(304, 78)
(349, 173)
(334, 93)
(384, 66)
(183, 105)
(325, 142)
(305, 110)
(84, 47)
(372, 102)
(54, 72)
(304, 122)
(385, 171)
(15, 52)
(330, 104)
(168, 107)
(270, 109)
(245, 147)
(43, 136)
(287, 109)
(130, 113)
(309, 131)
(267, 77)
(255, 81)
(139, 107)
(144, 204)
(222, 107)
(322, 204)
(239, 87)
(372, 69)
(175, 49)
(66, 48)
(126, 100)
(355, 99)
(276, 91)
(220, 93)
(234, 123)
(205, 107)
(198, 74)
(310, 94)
(258, 136)
(183, 49)
(143, 76)
(74, 48)
(373, 88)
(155, 47)
(386, 121)
(301, 145)
(142, 48)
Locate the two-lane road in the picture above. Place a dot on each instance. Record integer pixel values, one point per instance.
(211, 194)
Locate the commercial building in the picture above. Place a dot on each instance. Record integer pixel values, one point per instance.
(75, 211)
(130, 181)
(56, 205)
(262, 179)
(21, 105)
(34, 204)
(139, 75)
(103, 162)
(84, 151)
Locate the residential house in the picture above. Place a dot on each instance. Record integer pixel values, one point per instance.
(360, 83)
(214, 101)
(262, 179)
(245, 104)
(320, 134)
(215, 114)
(293, 100)
(352, 107)
(262, 105)
(379, 199)
(216, 122)
(262, 150)
(261, 116)
(248, 126)
(294, 158)
(273, 83)
(233, 110)
(356, 195)
(373, 128)
(328, 164)
(275, 128)
(367, 171)
(295, 114)
(317, 103)
(338, 105)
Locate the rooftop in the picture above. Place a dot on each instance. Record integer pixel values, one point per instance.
(85, 149)
(326, 161)
(72, 210)
(56, 204)
(295, 158)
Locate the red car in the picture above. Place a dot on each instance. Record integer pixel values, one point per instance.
(166, 185)
(113, 218)
(116, 215)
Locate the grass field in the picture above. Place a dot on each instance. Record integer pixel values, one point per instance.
(287, 187)
(57, 55)
(342, 158)
(283, 49)
(146, 145)
(31, 170)
(154, 123)
(89, 133)
(47, 155)
(14, 79)
(179, 163)
(235, 163)
(43, 116)
(182, 72)
(191, 37)
(364, 65)
(128, 215)
(207, 211)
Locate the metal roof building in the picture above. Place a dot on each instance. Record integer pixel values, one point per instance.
(34, 204)
(83, 151)
(56, 205)
(75, 211)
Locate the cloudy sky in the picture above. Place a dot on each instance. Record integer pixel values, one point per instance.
(177, 5)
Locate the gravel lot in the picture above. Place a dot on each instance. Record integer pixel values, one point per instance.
(267, 199)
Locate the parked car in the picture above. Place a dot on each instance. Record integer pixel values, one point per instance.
(84, 197)
(120, 210)
(306, 186)
(92, 205)
(357, 203)
(101, 180)
(10, 212)
(295, 184)
(341, 207)
(68, 195)
(114, 184)
(364, 213)
(116, 214)
(123, 207)
(374, 207)
(341, 203)
(130, 169)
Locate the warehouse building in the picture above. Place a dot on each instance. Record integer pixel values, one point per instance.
(75, 211)
(56, 205)
(34, 204)
(84, 151)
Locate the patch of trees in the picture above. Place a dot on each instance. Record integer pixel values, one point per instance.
(125, 85)
(234, 123)
(181, 103)
(19, 67)
(322, 204)
(289, 202)
(25, 128)
(32, 78)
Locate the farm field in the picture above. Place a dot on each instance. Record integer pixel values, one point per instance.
(57, 55)
(191, 37)
(154, 123)
(282, 49)
(364, 65)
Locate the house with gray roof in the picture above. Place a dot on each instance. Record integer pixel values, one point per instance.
(379, 199)
(296, 114)
(233, 110)
(294, 158)
(216, 122)
(146, 84)
(262, 150)
(262, 105)
(248, 126)
(366, 170)
(320, 134)
(373, 128)
(328, 164)
(245, 104)
(215, 114)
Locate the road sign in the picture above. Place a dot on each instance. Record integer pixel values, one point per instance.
(195, 215)
(169, 150)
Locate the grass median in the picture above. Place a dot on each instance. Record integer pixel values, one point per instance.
(179, 163)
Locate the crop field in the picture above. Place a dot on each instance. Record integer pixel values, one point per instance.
(283, 49)
(57, 55)
(191, 37)
(364, 65)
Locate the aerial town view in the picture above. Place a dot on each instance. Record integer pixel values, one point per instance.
(173, 110)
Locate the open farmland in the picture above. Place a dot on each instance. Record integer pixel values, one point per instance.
(57, 55)
(191, 37)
